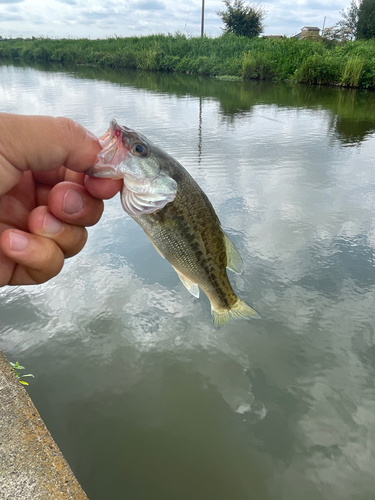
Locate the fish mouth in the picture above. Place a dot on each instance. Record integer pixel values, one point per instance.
(114, 152)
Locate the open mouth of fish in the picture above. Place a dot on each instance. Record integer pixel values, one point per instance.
(111, 156)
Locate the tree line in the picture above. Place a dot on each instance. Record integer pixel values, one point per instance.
(357, 22)
(246, 19)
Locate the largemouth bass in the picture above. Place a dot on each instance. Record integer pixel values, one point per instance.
(163, 198)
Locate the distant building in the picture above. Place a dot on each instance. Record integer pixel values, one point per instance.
(308, 32)
(273, 36)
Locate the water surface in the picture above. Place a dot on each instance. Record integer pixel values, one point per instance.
(146, 400)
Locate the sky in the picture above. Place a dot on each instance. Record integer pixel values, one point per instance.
(108, 18)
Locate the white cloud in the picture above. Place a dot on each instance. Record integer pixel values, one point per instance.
(69, 2)
(149, 5)
(106, 18)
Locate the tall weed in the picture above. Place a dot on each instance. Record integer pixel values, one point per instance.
(352, 71)
(319, 70)
(258, 67)
(309, 61)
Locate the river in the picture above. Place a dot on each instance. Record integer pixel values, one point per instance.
(148, 401)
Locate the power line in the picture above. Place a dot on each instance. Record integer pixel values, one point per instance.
(187, 17)
(202, 23)
(202, 18)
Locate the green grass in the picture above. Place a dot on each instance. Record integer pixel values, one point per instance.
(306, 61)
(352, 73)
(319, 70)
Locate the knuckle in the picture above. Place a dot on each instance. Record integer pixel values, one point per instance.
(71, 129)
(77, 242)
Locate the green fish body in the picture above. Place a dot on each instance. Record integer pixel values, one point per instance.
(163, 198)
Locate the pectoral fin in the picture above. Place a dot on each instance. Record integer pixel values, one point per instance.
(234, 261)
(190, 285)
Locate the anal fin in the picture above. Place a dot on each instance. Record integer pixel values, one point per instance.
(190, 285)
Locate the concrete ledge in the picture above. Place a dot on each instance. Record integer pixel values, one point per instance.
(31, 465)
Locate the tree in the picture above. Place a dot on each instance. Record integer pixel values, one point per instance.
(348, 24)
(337, 33)
(366, 20)
(242, 19)
(346, 29)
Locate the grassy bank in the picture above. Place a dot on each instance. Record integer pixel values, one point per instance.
(304, 61)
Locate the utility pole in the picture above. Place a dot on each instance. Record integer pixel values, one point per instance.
(202, 22)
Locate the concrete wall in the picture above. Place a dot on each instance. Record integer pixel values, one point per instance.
(31, 465)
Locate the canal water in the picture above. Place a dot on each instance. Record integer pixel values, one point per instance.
(145, 398)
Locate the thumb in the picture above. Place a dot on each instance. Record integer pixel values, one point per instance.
(42, 143)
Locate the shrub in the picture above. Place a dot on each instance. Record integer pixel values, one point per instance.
(320, 70)
(258, 67)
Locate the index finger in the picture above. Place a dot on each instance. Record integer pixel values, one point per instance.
(42, 143)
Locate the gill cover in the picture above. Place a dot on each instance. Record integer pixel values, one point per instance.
(139, 197)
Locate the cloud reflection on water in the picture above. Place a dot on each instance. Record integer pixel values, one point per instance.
(299, 206)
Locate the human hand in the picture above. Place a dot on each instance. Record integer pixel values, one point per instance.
(45, 198)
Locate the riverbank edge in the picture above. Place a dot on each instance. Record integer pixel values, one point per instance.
(309, 61)
(31, 464)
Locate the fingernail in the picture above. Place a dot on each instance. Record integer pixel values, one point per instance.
(51, 225)
(18, 242)
(73, 202)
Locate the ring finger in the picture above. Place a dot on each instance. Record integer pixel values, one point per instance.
(70, 238)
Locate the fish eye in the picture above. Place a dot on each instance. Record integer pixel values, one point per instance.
(139, 150)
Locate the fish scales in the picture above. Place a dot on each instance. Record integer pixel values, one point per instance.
(164, 199)
(189, 236)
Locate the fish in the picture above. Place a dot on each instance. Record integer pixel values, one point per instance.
(176, 215)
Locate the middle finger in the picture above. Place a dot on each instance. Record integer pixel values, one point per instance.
(72, 203)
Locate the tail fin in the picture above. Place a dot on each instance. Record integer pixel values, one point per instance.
(239, 310)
